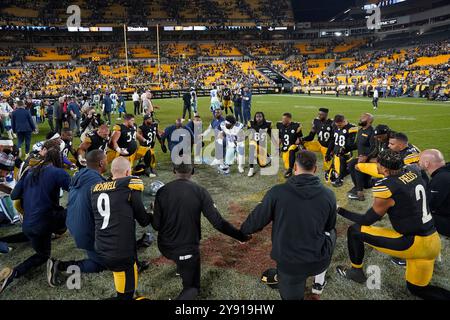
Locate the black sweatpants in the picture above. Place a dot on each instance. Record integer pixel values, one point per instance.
(188, 266)
(187, 108)
(137, 108)
(360, 179)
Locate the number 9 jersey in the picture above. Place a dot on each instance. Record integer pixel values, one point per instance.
(116, 204)
(410, 214)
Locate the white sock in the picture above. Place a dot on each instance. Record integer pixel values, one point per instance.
(320, 278)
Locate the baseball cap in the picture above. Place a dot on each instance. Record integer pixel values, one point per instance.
(381, 129)
(147, 116)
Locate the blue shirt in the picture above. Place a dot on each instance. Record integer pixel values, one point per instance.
(40, 195)
(246, 99)
(108, 104)
(73, 106)
(21, 121)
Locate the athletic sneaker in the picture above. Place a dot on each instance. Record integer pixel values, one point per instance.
(398, 261)
(251, 172)
(354, 274)
(7, 276)
(143, 265)
(148, 172)
(145, 241)
(288, 173)
(52, 272)
(357, 196)
(352, 191)
(337, 183)
(317, 288)
(241, 169)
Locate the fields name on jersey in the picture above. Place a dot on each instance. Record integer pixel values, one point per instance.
(408, 177)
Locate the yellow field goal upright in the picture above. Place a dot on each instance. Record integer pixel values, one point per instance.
(144, 84)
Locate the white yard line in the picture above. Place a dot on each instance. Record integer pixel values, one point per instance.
(381, 102)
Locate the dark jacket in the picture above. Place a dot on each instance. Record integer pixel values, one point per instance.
(439, 191)
(21, 121)
(178, 208)
(80, 217)
(40, 194)
(301, 210)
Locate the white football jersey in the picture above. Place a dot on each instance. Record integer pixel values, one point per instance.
(235, 134)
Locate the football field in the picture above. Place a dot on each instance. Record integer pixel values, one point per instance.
(231, 270)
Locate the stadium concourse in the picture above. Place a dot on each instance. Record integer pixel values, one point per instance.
(296, 138)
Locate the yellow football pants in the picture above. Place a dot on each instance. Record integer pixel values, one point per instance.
(285, 155)
(315, 146)
(369, 168)
(126, 281)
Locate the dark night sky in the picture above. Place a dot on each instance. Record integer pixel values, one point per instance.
(320, 10)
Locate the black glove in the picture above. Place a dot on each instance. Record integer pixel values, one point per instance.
(328, 157)
(163, 148)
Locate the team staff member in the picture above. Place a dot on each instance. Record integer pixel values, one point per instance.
(177, 212)
(365, 143)
(323, 127)
(381, 134)
(340, 148)
(401, 195)
(290, 133)
(117, 204)
(438, 190)
(38, 190)
(302, 240)
(94, 140)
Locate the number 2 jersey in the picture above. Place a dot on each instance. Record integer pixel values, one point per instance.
(127, 138)
(410, 214)
(289, 134)
(116, 204)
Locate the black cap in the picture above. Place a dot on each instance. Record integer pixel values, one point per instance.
(323, 110)
(381, 129)
(147, 116)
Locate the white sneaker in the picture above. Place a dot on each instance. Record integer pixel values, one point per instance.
(251, 172)
(317, 288)
(241, 169)
(215, 162)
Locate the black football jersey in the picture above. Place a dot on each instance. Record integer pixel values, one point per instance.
(97, 142)
(289, 134)
(410, 154)
(67, 148)
(115, 227)
(226, 94)
(150, 133)
(344, 139)
(260, 132)
(410, 215)
(127, 138)
(323, 130)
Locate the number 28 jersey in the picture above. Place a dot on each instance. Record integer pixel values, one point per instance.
(115, 227)
(410, 215)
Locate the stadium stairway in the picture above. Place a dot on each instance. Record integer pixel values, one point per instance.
(275, 76)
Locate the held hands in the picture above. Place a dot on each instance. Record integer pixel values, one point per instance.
(247, 237)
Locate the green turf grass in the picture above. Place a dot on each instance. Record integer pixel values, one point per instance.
(426, 123)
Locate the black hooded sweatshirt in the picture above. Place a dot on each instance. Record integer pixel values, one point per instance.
(303, 211)
(439, 191)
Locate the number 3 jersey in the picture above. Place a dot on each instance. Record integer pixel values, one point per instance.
(410, 214)
(116, 204)
(289, 134)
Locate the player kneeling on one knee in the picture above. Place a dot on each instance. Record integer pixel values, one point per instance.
(401, 195)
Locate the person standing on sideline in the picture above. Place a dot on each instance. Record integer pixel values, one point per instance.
(375, 98)
(303, 212)
(177, 218)
(80, 217)
(22, 125)
(237, 101)
(107, 108)
(438, 189)
(247, 104)
(74, 115)
(58, 114)
(137, 106)
(49, 114)
(186, 105)
(194, 101)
